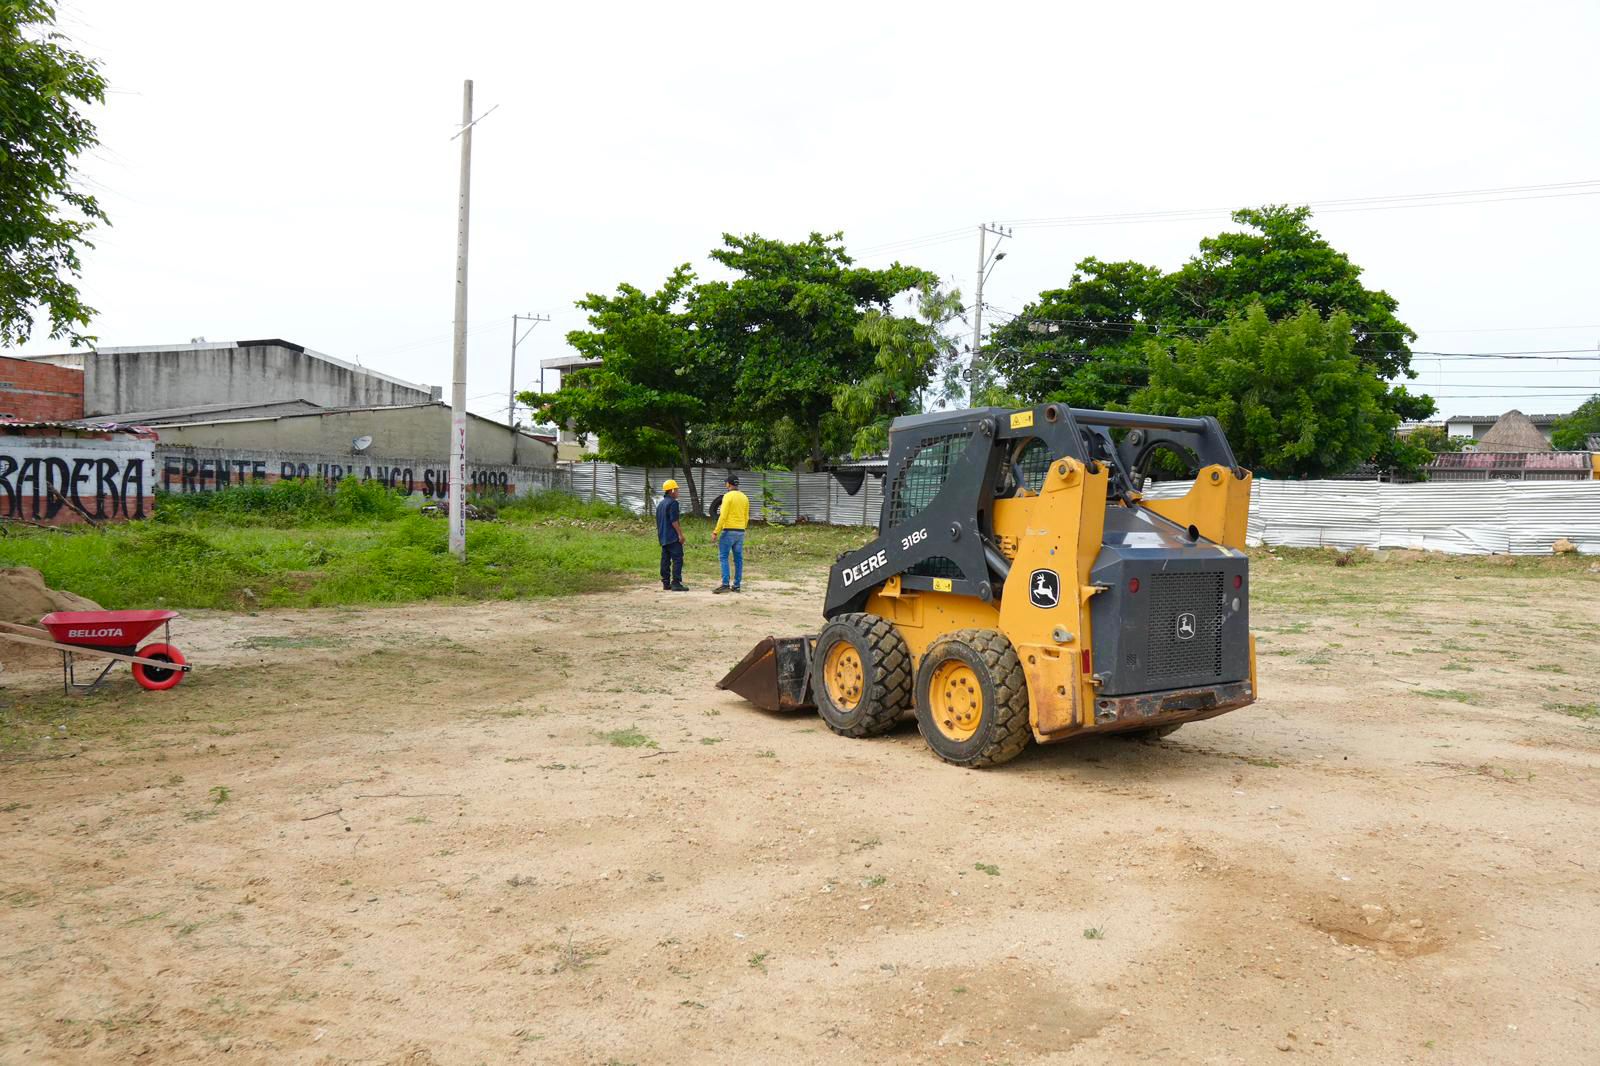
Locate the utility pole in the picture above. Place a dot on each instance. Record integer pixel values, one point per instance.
(458, 377)
(511, 396)
(986, 261)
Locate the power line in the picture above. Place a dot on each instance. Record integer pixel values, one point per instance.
(1356, 203)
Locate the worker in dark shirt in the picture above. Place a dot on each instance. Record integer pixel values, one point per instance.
(670, 534)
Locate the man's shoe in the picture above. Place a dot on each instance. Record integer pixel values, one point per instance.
(719, 590)
(736, 588)
(679, 587)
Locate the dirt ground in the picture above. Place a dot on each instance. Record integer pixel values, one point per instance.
(402, 836)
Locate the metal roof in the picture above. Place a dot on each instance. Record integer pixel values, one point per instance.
(1538, 420)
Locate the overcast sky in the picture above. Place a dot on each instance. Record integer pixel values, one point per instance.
(285, 169)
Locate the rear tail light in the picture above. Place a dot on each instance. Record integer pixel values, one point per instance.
(1087, 666)
(1238, 581)
(1133, 584)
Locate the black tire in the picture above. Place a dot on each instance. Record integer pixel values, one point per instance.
(885, 676)
(1002, 730)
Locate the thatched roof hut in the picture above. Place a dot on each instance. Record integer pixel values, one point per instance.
(1515, 432)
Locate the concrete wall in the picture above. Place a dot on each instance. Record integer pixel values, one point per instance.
(155, 379)
(185, 470)
(397, 433)
(39, 392)
(58, 477)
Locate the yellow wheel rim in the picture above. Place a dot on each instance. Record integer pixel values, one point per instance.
(955, 699)
(843, 675)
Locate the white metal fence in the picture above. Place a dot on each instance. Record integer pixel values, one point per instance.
(1462, 518)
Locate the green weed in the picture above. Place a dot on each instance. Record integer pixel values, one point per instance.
(987, 868)
(1447, 694)
(627, 738)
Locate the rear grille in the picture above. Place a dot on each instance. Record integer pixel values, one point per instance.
(1185, 602)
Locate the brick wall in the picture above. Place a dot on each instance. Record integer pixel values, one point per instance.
(39, 392)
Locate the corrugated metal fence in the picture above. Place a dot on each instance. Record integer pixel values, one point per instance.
(777, 496)
(1461, 518)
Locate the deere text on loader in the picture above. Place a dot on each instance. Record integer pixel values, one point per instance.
(1021, 588)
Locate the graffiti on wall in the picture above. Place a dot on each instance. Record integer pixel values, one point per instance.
(185, 472)
(57, 480)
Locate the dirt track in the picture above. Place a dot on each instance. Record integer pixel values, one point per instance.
(427, 854)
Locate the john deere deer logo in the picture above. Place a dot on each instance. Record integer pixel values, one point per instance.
(1184, 630)
(1044, 588)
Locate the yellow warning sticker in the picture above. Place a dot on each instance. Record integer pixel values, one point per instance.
(941, 584)
(1021, 419)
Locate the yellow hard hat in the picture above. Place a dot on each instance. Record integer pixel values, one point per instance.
(668, 485)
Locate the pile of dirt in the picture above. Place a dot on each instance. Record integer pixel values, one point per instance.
(25, 598)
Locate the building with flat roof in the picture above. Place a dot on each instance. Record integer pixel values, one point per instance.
(156, 377)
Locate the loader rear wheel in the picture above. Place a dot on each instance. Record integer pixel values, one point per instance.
(861, 675)
(972, 700)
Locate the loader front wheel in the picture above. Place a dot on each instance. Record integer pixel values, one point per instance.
(861, 675)
(972, 699)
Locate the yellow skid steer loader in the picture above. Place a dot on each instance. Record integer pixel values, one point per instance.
(1022, 588)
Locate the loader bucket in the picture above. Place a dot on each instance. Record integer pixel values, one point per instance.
(775, 676)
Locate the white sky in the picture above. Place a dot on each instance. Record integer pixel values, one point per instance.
(285, 169)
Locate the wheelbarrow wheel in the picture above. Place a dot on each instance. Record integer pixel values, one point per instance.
(156, 678)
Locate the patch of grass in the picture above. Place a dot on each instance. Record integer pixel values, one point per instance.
(766, 753)
(759, 960)
(1262, 761)
(987, 868)
(711, 740)
(1577, 710)
(199, 816)
(1447, 694)
(627, 738)
(293, 544)
(1095, 932)
(220, 793)
(875, 881)
(1549, 668)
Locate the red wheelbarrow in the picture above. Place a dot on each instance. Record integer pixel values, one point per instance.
(110, 635)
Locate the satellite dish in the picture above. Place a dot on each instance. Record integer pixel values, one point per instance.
(361, 444)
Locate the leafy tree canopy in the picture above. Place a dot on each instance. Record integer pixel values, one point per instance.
(655, 381)
(1573, 431)
(1087, 344)
(913, 353)
(1293, 396)
(786, 325)
(45, 88)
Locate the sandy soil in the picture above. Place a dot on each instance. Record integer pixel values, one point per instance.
(426, 853)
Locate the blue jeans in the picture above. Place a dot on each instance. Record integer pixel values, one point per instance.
(731, 542)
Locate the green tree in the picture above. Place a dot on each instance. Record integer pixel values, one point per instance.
(45, 88)
(1293, 397)
(1572, 432)
(786, 326)
(1084, 344)
(914, 354)
(656, 379)
(1088, 344)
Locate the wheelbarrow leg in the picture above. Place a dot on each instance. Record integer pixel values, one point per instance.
(69, 675)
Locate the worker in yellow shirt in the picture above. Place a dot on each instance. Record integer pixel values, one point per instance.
(732, 520)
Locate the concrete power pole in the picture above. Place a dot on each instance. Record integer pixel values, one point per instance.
(458, 387)
(511, 396)
(986, 261)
